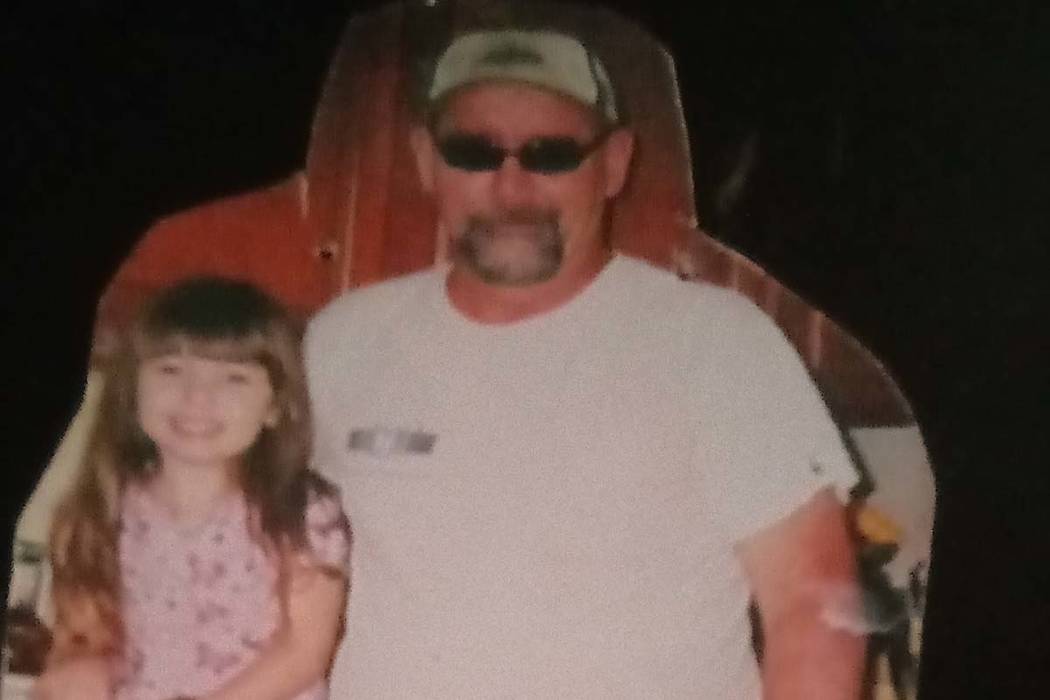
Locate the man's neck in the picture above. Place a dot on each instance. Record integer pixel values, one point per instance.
(498, 304)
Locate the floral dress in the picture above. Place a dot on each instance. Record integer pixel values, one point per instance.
(199, 604)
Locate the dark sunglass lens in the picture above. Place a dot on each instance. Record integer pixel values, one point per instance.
(470, 153)
(552, 155)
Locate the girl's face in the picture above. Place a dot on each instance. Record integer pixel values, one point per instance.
(201, 412)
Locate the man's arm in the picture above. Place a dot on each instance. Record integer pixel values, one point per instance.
(802, 571)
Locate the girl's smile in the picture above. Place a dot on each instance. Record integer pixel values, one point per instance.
(202, 412)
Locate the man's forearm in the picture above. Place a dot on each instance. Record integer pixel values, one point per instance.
(803, 574)
(807, 656)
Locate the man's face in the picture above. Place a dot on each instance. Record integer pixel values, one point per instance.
(511, 225)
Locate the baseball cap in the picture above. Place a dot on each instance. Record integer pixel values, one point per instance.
(546, 59)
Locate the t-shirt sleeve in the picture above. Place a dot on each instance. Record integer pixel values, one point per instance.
(328, 535)
(771, 443)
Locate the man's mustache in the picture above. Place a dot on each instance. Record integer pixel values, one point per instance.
(515, 217)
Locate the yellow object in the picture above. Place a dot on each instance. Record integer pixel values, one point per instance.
(875, 527)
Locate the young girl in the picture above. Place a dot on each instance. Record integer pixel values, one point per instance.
(196, 556)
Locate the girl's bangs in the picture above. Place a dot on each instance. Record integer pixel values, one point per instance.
(248, 348)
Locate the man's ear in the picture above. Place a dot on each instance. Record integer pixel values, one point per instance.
(423, 149)
(618, 150)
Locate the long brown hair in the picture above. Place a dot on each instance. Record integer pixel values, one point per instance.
(210, 317)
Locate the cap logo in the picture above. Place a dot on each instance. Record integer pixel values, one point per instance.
(510, 54)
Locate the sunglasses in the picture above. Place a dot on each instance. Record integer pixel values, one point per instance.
(546, 155)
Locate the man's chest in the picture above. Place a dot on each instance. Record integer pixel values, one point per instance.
(536, 450)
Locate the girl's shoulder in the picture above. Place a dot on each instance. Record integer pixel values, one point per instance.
(326, 525)
(324, 500)
(318, 486)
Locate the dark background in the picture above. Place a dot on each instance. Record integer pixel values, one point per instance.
(901, 169)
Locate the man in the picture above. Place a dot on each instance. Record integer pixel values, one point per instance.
(567, 471)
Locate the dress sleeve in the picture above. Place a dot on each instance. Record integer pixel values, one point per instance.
(327, 528)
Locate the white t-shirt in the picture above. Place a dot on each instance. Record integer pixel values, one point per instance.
(548, 508)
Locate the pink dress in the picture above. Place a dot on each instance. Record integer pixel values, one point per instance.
(199, 604)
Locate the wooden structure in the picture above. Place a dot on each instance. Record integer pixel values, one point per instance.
(355, 214)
